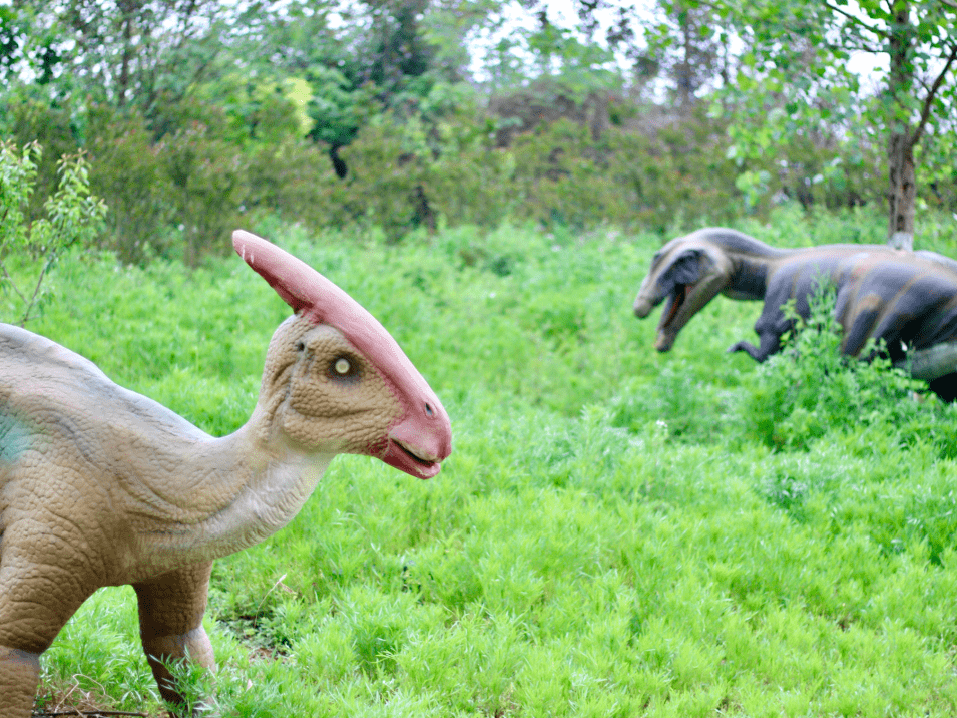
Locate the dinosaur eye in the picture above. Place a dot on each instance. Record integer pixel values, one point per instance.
(344, 368)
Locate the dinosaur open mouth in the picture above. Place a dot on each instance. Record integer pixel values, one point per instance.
(675, 300)
(422, 461)
(412, 455)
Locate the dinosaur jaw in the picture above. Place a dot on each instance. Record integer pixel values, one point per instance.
(405, 458)
(684, 301)
(642, 306)
(418, 444)
(668, 327)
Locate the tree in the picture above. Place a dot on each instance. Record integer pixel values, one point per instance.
(138, 53)
(686, 48)
(916, 42)
(360, 59)
(25, 46)
(797, 62)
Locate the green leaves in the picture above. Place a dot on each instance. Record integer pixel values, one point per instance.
(799, 56)
(810, 390)
(17, 174)
(73, 215)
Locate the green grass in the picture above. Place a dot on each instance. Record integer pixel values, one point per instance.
(617, 533)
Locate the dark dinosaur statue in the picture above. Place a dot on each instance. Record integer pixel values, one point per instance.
(908, 299)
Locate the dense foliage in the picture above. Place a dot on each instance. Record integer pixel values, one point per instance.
(617, 532)
(390, 116)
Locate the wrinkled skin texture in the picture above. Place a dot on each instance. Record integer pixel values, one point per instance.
(882, 293)
(100, 486)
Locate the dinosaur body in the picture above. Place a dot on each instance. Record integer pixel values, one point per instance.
(100, 486)
(903, 298)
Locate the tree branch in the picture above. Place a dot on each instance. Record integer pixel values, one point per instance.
(11, 282)
(866, 47)
(36, 290)
(931, 94)
(856, 20)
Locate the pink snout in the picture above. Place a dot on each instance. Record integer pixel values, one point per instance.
(420, 442)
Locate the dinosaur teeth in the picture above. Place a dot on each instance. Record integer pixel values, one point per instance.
(676, 299)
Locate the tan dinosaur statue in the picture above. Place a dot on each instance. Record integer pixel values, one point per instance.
(100, 486)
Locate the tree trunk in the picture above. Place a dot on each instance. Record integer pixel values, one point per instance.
(903, 191)
(900, 147)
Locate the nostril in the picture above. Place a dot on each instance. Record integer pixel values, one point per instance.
(429, 411)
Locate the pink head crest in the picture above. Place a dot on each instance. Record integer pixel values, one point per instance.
(425, 430)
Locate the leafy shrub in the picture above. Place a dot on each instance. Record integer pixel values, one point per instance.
(810, 391)
(72, 215)
(565, 176)
(294, 180)
(420, 171)
(684, 405)
(207, 178)
(386, 183)
(29, 120)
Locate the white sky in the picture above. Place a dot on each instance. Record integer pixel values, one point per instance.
(562, 13)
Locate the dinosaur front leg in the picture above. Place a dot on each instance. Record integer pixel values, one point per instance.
(36, 601)
(770, 344)
(19, 677)
(171, 610)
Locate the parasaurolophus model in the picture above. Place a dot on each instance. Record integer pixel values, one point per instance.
(100, 486)
(882, 293)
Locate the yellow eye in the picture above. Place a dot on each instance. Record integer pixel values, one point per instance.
(342, 365)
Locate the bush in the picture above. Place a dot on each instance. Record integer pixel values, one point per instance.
(31, 248)
(31, 120)
(294, 181)
(810, 390)
(207, 177)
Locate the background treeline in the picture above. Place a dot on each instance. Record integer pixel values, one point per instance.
(401, 115)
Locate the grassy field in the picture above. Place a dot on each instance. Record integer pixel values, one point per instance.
(617, 533)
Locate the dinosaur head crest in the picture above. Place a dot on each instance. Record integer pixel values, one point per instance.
(421, 437)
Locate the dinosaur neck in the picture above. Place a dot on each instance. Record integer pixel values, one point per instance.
(231, 493)
(749, 279)
(751, 264)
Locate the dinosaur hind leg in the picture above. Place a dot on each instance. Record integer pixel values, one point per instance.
(171, 610)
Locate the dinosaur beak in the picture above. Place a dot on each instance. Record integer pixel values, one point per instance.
(420, 441)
